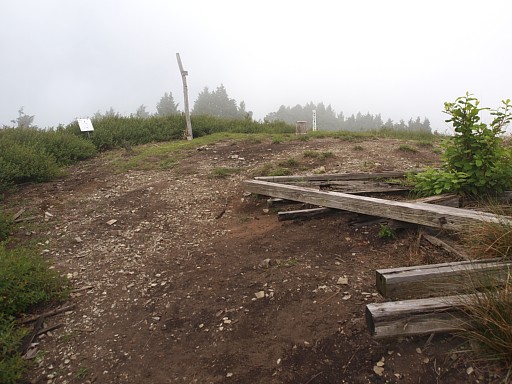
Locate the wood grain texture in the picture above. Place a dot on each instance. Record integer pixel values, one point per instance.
(419, 213)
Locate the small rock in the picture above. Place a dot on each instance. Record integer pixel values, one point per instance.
(260, 294)
(266, 210)
(342, 281)
(378, 370)
(229, 374)
(111, 222)
(78, 239)
(346, 297)
(418, 350)
(265, 263)
(470, 370)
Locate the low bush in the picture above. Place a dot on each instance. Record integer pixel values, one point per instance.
(114, 131)
(12, 365)
(5, 225)
(475, 161)
(36, 155)
(26, 281)
(24, 162)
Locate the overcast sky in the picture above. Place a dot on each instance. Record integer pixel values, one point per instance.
(63, 59)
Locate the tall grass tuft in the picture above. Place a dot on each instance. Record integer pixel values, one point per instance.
(490, 239)
(489, 328)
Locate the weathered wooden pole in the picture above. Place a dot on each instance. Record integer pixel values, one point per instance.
(185, 94)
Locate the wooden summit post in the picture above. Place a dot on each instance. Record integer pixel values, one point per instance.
(185, 94)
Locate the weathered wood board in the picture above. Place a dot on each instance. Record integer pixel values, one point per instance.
(332, 177)
(302, 214)
(440, 279)
(416, 317)
(419, 213)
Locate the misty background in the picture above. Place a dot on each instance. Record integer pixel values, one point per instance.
(63, 60)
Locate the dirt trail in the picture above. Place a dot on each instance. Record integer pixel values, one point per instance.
(174, 297)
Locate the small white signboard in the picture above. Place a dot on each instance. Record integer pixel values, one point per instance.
(85, 125)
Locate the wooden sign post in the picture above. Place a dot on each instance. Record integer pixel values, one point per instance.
(185, 93)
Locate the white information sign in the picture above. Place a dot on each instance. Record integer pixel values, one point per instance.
(85, 125)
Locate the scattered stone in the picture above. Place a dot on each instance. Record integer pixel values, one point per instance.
(342, 281)
(111, 222)
(260, 294)
(418, 350)
(266, 210)
(378, 370)
(265, 263)
(229, 374)
(78, 239)
(470, 370)
(346, 297)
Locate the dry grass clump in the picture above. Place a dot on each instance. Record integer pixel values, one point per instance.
(491, 239)
(489, 325)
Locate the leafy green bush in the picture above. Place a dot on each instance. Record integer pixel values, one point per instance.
(11, 363)
(66, 148)
(113, 131)
(5, 225)
(36, 155)
(475, 162)
(26, 281)
(23, 162)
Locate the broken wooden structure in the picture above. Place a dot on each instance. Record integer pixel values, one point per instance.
(416, 312)
(440, 279)
(426, 214)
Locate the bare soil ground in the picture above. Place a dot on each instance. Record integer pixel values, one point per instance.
(173, 282)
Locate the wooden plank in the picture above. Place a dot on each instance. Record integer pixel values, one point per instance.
(447, 247)
(332, 177)
(359, 187)
(416, 317)
(449, 200)
(419, 213)
(302, 214)
(440, 279)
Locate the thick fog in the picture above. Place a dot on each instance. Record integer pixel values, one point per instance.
(65, 59)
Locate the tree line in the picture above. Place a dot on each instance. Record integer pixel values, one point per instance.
(328, 119)
(217, 103)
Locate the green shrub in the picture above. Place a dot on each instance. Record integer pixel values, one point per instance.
(112, 131)
(475, 161)
(386, 232)
(11, 364)
(5, 226)
(23, 162)
(26, 281)
(36, 155)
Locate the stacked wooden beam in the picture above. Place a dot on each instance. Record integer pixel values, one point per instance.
(415, 312)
